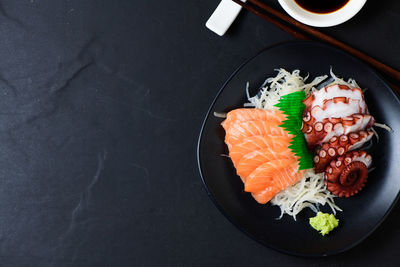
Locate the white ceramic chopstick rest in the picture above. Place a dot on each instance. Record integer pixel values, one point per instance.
(223, 16)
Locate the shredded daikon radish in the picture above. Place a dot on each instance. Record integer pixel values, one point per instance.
(383, 126)
(221, 115)
(310, 192)
(375, 133)
(350, 82)
(284, 83)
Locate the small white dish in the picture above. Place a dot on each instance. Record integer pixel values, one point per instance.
(223, 16)
(322, 19)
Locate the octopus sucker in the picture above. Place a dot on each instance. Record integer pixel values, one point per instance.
(328, 127)
(354, 137)
(341, 150)
(343, 139)
(307, 117)
(318, 126)
(331, 152)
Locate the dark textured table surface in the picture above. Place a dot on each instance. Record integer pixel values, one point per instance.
(101, 107)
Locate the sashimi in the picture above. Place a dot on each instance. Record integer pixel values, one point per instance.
(257, 142)
(239, 130)
(252, 160)
(264, 175)
(250, 114)
(271, 177)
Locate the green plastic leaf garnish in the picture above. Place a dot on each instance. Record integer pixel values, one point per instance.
(292, 106)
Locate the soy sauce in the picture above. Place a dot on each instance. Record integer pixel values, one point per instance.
(322, 6)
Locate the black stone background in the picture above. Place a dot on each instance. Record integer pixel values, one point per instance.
(100, 110)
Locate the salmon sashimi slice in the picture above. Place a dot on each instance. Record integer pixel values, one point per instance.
(252, 160)
(268, 193)
(268, 174)
(271, 177)
(249, 144)
(238, 131)
(251, 114)
(262, 197)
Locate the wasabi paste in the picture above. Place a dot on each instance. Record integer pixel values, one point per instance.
(324, 222)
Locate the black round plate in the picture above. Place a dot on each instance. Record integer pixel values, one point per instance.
(362, 214)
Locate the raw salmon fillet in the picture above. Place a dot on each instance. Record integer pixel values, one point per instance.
(279, 174)
(270, 178)
(239, 130)
(259, 150)
(251, 114)
(277, 144)
(252, 160)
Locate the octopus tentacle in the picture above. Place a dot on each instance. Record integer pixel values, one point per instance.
(335, 100)
(322, 131)
(348, 174)
(337, 146)
(333, 111)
